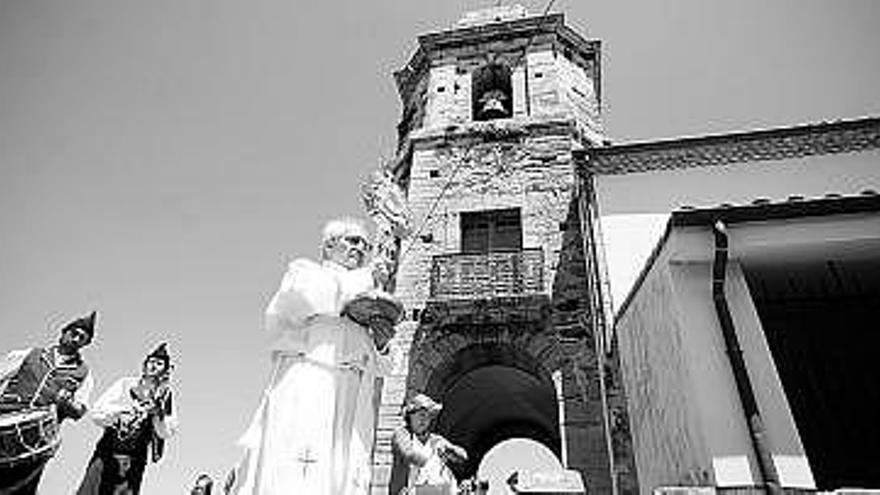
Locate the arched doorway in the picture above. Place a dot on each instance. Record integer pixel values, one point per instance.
(492, 393)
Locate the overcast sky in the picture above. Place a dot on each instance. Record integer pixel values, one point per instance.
(160, 161)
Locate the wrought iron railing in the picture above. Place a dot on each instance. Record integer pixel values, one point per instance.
(472, 276)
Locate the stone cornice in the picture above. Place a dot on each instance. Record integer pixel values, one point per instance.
(520, 28)
(495, 130)
(553, 24)
(845, 136)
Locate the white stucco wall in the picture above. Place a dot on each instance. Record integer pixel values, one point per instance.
(634, 208)
(687, 420)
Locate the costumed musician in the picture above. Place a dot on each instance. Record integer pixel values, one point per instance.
(39, 388)
(138, 415)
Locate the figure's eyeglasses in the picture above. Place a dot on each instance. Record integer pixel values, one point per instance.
(356, 240)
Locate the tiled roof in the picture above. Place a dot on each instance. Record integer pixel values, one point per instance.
(765, 209)
(825, 138)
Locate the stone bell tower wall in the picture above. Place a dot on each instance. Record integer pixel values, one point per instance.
(531, 171)
(451, 165)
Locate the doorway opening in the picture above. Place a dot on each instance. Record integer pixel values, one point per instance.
(820, 312)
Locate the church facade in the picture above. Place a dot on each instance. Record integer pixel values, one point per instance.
(745, 333)
(528, 220)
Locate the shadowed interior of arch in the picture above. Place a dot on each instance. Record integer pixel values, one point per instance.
(488, 401)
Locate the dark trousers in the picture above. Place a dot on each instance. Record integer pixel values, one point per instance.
(112, 475)
(115, 468)
(22, 479)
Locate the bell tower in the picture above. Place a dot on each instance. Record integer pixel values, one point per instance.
(501, 323)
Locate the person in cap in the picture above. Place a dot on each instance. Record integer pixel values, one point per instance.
(420, 456)
(51, 381)
(138, 415)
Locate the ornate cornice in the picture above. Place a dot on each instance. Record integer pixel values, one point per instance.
(845, 136)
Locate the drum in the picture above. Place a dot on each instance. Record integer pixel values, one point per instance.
(28, 435)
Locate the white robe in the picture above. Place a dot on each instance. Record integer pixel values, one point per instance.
(313, 430)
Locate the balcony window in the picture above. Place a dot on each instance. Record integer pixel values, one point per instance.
(492, 230)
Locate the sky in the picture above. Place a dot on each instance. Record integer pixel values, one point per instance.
(162, 161)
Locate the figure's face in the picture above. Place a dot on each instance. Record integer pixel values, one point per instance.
(154, 366)
(421, 421)
(73, 339)
(350, 250)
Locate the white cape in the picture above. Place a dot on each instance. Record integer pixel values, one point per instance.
(313, 431)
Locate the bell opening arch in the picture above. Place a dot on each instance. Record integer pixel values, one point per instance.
(492, 93)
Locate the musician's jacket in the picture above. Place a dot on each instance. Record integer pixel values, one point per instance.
(34, 378)
(128, 428)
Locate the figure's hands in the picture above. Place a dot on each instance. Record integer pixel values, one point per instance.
(124, 419)
(450, 452)
(159, 409)
(381, 269)
(151, 407)
(154, 408)
(79, 410)
(67, 406)
(64, 395)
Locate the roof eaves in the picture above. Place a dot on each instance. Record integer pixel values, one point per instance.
(721, 149)
(795, 207)
(760, 211)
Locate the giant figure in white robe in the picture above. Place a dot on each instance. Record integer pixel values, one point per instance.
(313, 431)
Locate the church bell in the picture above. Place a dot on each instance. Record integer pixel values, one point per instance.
(493, 105)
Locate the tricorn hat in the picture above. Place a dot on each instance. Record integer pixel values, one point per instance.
(422, 402)
(84, 323)
(161, 352)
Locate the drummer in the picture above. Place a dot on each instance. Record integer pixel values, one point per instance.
(36, 379)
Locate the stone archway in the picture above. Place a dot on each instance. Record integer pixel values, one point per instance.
(490, 363)
(512, 346)
(488, 400)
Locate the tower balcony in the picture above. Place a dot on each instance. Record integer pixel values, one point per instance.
(488, 275)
